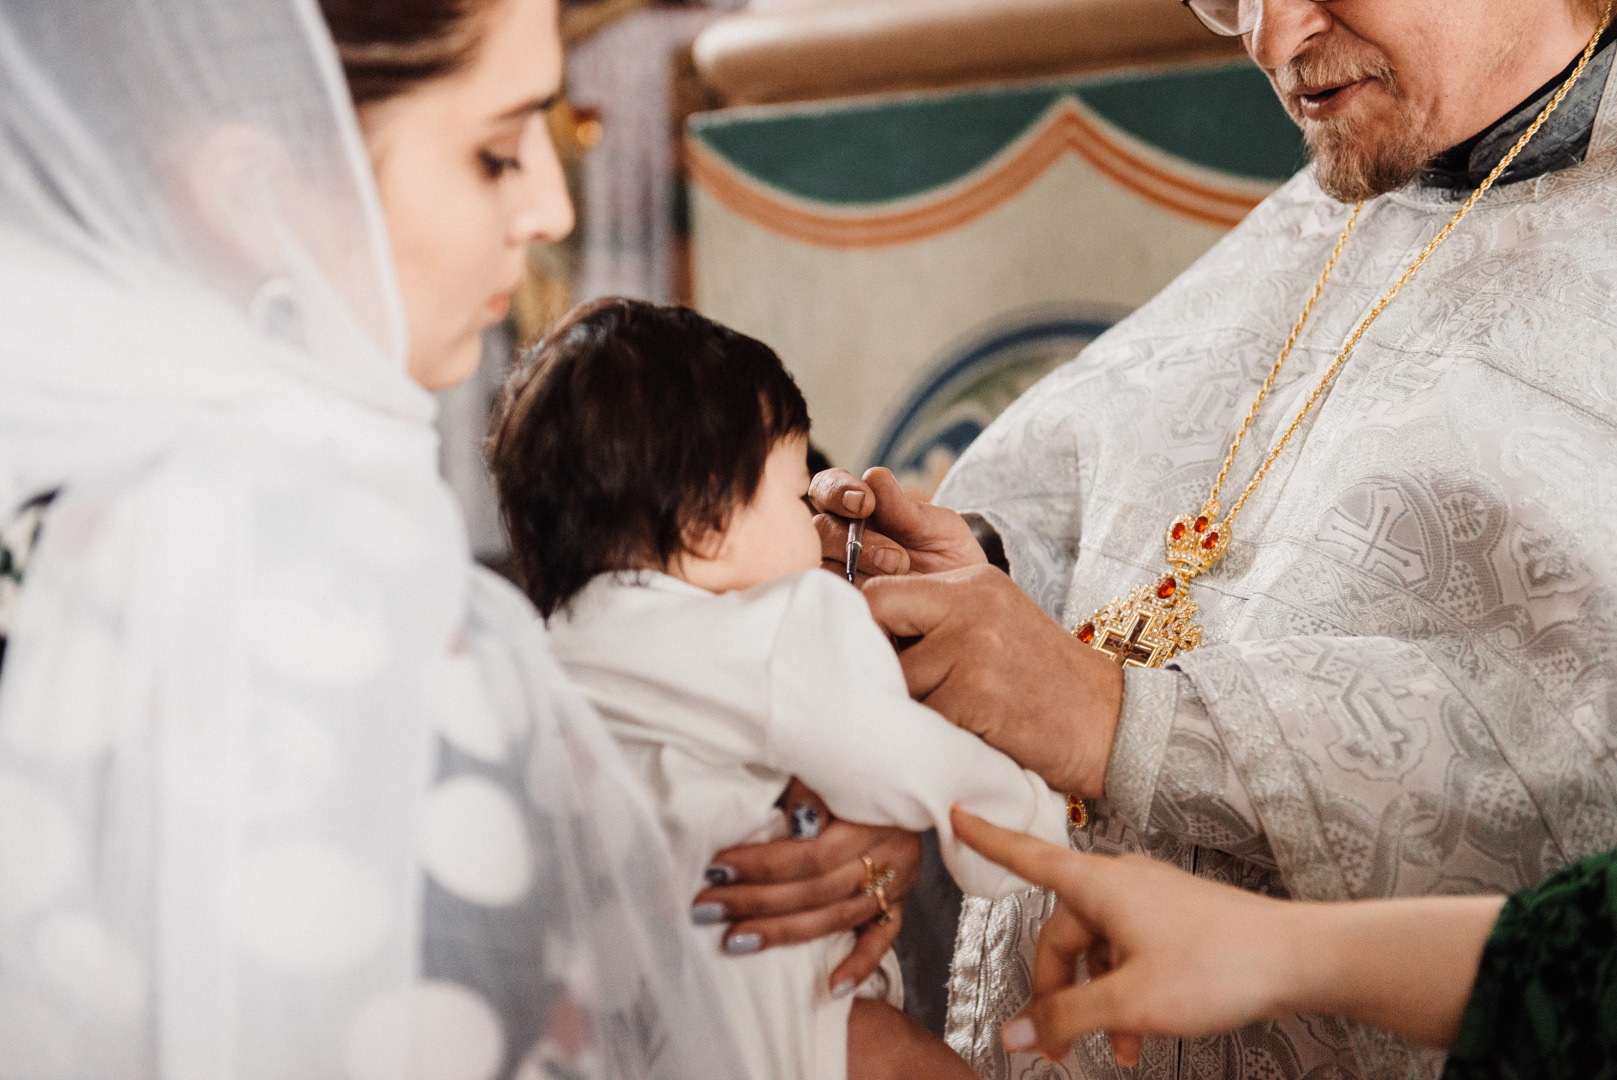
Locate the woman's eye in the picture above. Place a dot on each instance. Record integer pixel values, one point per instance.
(497, 165)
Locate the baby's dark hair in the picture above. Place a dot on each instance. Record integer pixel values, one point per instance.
(630, 433)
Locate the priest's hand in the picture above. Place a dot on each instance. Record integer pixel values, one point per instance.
(902, 536)
(977, 649)
(789, 891)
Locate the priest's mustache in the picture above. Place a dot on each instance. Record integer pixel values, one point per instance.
(1328, 66)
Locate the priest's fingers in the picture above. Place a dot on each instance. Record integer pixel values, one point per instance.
(840, 492)
(911, 606)
(879, 555)
(937, 538)
(927, 664)
(874, 941)
(934, 538)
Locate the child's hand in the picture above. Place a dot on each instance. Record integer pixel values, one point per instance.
(904, 536)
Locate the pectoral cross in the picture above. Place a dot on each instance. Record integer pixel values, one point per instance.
(1126, 647)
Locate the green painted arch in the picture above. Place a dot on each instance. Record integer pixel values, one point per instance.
(878, 151)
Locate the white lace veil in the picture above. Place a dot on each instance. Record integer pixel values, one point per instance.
(287, 788)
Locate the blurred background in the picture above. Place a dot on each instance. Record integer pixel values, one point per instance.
(922, 205)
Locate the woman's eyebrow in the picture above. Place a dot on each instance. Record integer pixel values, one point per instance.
(528, 108)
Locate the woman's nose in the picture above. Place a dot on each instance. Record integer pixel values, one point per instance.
(543, 210)
(1283, 29)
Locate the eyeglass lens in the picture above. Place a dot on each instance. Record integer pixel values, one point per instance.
(1227, 17)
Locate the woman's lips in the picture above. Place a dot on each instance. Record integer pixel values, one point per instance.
(1324, 102)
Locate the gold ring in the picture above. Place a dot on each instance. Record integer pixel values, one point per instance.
(880, 893)
(876, 882)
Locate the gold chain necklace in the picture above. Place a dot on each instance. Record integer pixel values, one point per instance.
(1156, 622)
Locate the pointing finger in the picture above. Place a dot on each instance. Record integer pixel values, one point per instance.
(1029, 858)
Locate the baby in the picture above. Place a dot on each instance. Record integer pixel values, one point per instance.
(651, 466)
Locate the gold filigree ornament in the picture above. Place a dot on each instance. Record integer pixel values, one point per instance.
(1156, 622)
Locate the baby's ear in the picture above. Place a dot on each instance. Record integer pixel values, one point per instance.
(703, 541)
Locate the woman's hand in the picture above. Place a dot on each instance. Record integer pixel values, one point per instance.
(1173, 955)
(903, 536)
(790, 891)
(1167, 953)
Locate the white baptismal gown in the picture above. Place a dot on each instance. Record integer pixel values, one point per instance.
(719, 699)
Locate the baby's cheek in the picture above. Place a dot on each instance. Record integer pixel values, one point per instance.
(805, 546)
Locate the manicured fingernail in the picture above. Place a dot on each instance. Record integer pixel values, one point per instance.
(743, 944)
(709, 914)
(1018, 1034)
(719, 874)
(843, 988)
(806, 823)
(886, 560)
(854, 500)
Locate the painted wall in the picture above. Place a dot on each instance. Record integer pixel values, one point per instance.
(919, 260)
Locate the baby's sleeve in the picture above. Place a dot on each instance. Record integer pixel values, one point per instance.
(842, 721)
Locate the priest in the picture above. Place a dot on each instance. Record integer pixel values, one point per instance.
(1310, 578)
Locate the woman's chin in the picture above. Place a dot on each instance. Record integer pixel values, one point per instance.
(449, 366)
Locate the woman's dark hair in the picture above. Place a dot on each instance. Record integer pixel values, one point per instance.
(389, 47)
(629, 434)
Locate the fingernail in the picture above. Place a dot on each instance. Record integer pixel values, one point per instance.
(886, 560)
(806, 822)
(843, 988)
(854, 500)
(1018, 1034)
(719, 874)
(709, 914)
(743, 944)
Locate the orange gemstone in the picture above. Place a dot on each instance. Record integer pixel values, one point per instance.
(1166, 589)
(1201, 523)
(1211, 541)
(1077, 812)
(1178, 530)
(1086, 633)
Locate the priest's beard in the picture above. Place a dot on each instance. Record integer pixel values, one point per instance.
(1358, 156)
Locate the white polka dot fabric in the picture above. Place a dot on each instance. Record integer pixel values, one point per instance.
(288, 789)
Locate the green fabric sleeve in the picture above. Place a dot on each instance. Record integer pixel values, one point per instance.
(1545, 1000)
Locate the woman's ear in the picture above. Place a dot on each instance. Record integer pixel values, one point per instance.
(230, 176)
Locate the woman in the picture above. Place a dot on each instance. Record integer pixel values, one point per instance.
(253, 685)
